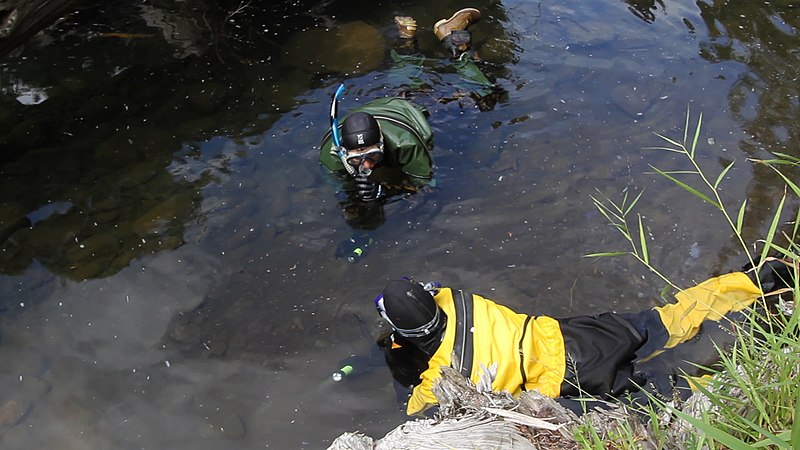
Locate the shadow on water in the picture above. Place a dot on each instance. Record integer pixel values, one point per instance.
(167, 237)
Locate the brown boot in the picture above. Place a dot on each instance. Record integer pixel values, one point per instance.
(461, 20)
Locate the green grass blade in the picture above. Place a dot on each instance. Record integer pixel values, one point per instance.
(607, 213)
(643, 241)
(773, 226)
(681, 172)
(722, 174)
(635, 201)
(780, 162)
(718, 435)
(796, 425)
(696, 135)
(740, 217)
(720, 403)
(789, 182)
(674, 150)
(671, 141)
(790, 158)
(688, 188)
(686, 126)
(767, 442)
(605, 254)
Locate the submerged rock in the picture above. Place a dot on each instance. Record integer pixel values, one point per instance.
(354, 47)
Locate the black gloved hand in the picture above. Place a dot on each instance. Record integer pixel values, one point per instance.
(367, 189)
(773, 275)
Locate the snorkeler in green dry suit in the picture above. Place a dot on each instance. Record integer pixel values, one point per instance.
(571, 358)
(386, 151)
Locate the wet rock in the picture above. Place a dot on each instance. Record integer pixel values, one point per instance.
(32, 388)
(183, 332)
(216, 347)
(354, 47)
(15, 258)
(12, 218)
(634, 99)
(84, 270)
(106, 217)
(175, 207)
(206, 97)
(29, 133)
(139, 175)
(47, 236)
(12, 412)
(227, 422)
(197, 126)
(238, 341)
(117, 153)
(27, 362)
(95, 246)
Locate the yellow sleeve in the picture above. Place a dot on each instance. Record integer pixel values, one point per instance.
(709, 300)
(422, 396)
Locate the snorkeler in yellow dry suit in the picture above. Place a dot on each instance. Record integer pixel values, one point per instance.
(599, 355)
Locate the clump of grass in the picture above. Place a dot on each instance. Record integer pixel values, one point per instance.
(753, 399)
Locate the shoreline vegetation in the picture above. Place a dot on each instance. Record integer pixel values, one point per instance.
(750, 400)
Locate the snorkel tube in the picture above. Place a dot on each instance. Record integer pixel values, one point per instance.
(336, 134)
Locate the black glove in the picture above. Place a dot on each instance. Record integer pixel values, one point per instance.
(773, 275)
(406, 362)
(367, 189)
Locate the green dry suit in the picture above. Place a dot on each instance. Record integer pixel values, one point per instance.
(407, 139)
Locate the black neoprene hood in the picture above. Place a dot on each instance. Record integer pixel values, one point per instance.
(360, 130)
(407, 305)
(414, 314)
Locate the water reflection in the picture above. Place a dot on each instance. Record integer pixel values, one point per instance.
(645, 9)
(195, 128)
(763, 38)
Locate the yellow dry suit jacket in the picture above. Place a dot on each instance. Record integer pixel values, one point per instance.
(528, 351)
(531, 352)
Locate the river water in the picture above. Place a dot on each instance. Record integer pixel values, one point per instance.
(168, 267)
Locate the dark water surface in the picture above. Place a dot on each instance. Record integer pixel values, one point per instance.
(168, 275)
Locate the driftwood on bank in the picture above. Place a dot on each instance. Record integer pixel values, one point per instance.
(473, 417)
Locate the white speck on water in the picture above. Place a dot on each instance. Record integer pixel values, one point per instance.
(711, 141)
(22, 304)
(167, 363)
(694, 250)
(20, 378)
